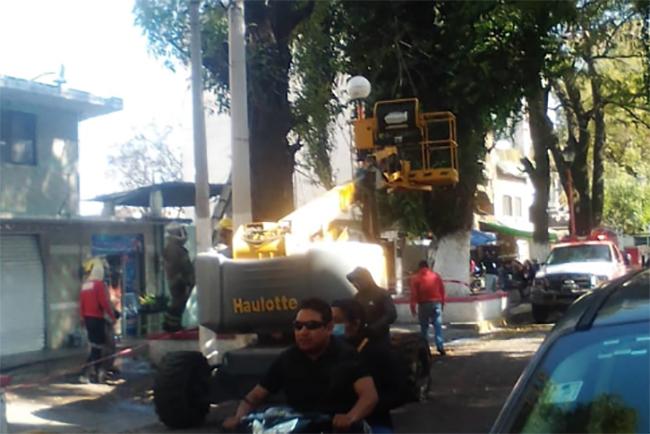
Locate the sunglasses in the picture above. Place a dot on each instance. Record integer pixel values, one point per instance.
(309, 325)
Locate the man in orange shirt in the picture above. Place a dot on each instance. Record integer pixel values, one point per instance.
(428, 294)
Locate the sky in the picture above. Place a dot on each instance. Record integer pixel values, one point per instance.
(104, 53)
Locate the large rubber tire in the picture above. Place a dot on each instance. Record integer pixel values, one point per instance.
(414, 352)
(182, 389)
(540, 313)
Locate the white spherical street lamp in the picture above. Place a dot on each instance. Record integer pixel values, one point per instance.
(358, 88)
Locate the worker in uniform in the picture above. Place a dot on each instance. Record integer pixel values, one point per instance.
(95, 309)
(377, 303)
(428, 295)
(179, 271)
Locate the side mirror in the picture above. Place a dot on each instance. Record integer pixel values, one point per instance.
(627, 259)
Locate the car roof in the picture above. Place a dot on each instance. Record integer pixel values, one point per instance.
(625, 299)
(583, 243)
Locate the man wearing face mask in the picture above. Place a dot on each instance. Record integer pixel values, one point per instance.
(384, 366)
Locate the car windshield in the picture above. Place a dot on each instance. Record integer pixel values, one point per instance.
(593, 381)
(579, 253)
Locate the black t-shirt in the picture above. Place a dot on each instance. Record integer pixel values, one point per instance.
(390, 375)
(323, 385)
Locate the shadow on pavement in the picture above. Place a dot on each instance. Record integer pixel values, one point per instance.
(65, 405)
(469, 386)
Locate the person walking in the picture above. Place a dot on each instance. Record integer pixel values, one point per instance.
(95, 309)
(428, 302)
(377, 304)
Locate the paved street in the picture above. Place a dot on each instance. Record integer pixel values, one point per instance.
(468, 389)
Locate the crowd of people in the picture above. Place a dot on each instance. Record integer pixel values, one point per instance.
(505, 273)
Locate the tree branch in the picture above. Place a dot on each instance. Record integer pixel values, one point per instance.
(615, 30)
(529, 167)
(633, 115)
(621, 56)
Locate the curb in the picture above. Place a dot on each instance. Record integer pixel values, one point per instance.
(52, 357)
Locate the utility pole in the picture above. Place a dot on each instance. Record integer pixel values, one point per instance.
(202, 194)
(240, 171)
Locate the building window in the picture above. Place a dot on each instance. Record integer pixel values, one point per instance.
(507, 205)
(517, 207)
(18, 137)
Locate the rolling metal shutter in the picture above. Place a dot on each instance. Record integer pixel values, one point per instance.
(22, 295)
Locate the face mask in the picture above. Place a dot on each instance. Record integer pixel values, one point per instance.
(339, 329)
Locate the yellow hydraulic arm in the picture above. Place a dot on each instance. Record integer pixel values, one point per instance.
(295, 232)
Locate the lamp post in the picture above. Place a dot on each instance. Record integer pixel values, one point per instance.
(359, 88)
(569, 156)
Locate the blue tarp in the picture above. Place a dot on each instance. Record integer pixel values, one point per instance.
(479, 238)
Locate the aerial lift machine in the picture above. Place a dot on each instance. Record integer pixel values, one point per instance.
(308, 253)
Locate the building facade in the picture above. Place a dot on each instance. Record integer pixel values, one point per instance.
(43, 240)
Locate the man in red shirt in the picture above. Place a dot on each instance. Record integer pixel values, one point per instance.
(95, 309)
(428, 294)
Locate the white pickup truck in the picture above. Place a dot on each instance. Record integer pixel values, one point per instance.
(572, 269)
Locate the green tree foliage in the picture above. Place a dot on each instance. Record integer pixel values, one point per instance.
(270, 31)
(452, 56)
(318, 61)
(532, 55)
(598, 77)
(627, 201)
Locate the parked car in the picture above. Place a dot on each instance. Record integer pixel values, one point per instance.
(592, 372)
(571, 270)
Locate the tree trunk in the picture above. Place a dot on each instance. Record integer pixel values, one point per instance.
(578, 140)
(598, 175)
(543, 138)
(269, 27)
(271, 164)
(597, 179)
(539, 251)
(580, 176)
(452, 262)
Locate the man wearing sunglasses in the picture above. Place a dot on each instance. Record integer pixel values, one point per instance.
(317, 374)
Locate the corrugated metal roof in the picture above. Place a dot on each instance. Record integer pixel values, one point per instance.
(175, 194)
